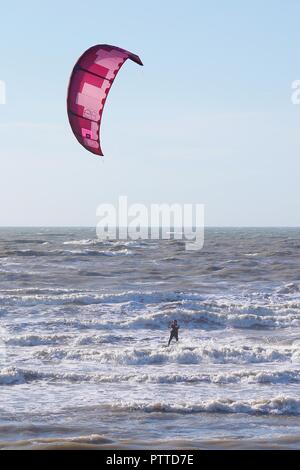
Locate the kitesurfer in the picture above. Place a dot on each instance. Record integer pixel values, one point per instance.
(174, 331)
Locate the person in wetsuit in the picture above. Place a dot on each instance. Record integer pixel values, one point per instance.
(174, 331)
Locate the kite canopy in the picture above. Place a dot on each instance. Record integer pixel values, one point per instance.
(90, 82)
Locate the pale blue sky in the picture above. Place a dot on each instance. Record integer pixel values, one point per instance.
(208, 118)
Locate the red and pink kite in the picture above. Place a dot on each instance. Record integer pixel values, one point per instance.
(90, 82)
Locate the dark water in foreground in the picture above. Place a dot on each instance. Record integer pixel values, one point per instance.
(83, 332)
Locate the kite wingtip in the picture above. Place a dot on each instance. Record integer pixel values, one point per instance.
(136, 59)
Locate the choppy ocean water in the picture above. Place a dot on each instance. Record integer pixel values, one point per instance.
(84, 328)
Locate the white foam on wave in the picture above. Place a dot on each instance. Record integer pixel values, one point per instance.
(279, 405)
(13, 376)
(87, 241)
(181, 355)
(98, 241)
(85, 340)
(251, 255)
(190, 308)
(36, 339)
(89, 252)
(56, 294)
(206, 316)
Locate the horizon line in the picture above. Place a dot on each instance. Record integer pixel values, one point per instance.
(95, 227)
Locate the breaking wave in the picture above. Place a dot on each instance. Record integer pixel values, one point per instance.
(276, 406)
(14, 376)
(178, 355)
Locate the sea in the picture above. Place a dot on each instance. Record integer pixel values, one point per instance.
(84, 328)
